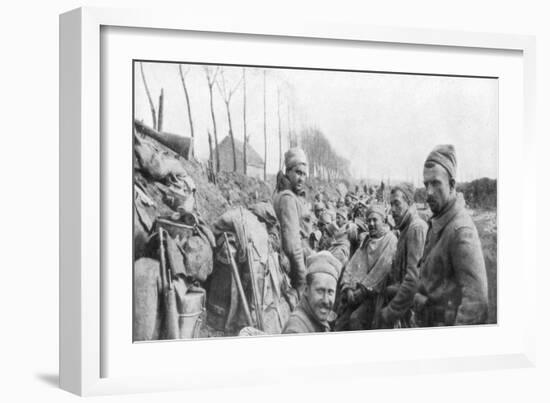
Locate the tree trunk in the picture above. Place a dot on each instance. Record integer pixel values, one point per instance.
(149, 98)
(211, 151)
(231, 137)
(245, 162)
(188, 106)
(161, 111)
(211, 158)
(214, 128)
(290, 145)
(265, 139)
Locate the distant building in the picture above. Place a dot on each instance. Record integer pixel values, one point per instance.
(255, 163)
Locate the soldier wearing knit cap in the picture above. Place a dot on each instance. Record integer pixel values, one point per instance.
(376, 217)
(312, 314)
(444, 155)
(341, 216)
(440, 170)
(362, 286)
(453, 279)
(294, 215)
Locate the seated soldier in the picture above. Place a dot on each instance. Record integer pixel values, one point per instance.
(363, 283)
(315, 308)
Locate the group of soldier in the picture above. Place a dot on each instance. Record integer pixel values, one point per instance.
(360, 262)
(363, 265)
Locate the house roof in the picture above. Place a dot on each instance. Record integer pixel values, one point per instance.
(252, 156)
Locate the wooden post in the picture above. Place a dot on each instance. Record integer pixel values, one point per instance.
(211, 78)
(188, 102)
(161, 110)
(211, 158)
(149, 98)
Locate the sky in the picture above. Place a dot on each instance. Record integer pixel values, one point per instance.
(384, 124)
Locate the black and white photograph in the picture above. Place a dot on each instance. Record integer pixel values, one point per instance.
(270, 200)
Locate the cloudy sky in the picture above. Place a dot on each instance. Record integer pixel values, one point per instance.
(385, 124)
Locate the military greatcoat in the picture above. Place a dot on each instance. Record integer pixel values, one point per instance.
(453, 280)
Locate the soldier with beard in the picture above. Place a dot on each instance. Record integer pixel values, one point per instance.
(313, 312)
(453, 280)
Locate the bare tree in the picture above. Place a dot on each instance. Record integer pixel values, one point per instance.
(227, 94)
(160, 119)
(323, 160)
(211, 151)
(212, 177)
(188, 102)
(211, 79)
(245, 162)
(290, 143)
(151, 104)
(265, 137)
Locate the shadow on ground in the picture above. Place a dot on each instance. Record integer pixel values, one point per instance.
(49, 379)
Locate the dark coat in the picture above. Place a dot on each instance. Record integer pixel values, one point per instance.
(452, 270)
(302, 320)
(404, 276)
(295, 220)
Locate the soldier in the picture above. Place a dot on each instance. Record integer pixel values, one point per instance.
(360, 218)
(350, 228)
(323, 225)
(313, 312)
(453, 280)
(348, 201)
(410, 246)
(293, 214)
(363, 283)
(318, 208)
(339, 244)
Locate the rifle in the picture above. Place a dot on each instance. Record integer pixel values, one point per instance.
(171, 328)
(237, 279)
(259, 313)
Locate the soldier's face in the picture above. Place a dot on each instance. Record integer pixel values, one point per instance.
(399, 206)
(340, 220)
(320, 295)
(438, 187)
(375, 224)
(297, 177)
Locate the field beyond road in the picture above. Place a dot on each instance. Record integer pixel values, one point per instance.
(486, 223)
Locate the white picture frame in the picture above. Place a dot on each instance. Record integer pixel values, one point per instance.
(84, 345)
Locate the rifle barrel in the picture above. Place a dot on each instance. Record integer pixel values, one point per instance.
(259, 313)
(237, 278)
